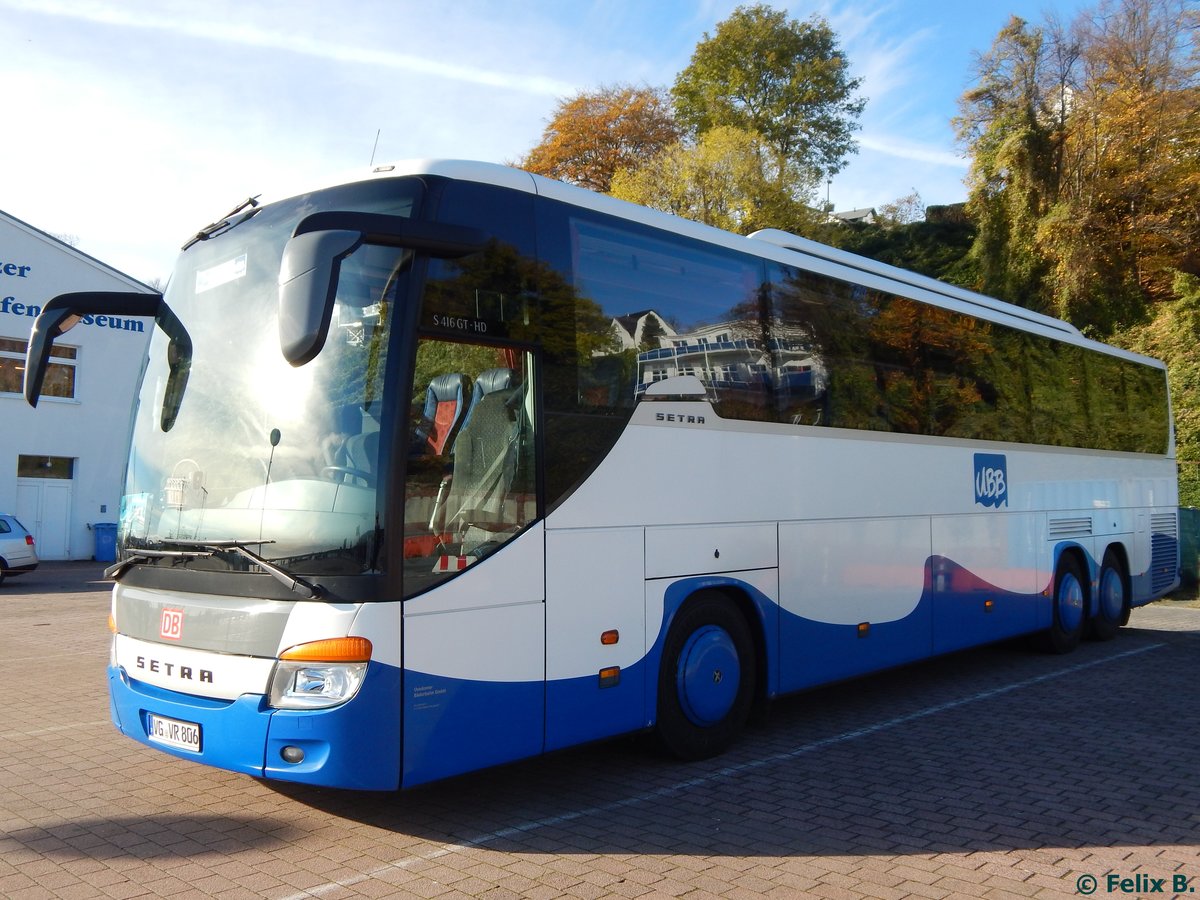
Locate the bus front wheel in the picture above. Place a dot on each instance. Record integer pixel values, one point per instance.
(706, 681)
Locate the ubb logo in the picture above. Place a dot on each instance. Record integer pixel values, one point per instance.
(991, 479)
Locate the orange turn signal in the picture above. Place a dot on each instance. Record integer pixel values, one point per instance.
(610, 637)
(347, 649)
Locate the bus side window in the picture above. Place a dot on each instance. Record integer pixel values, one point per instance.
(480, 491)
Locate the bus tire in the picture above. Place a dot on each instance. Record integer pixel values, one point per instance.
(1112, 599)
(1070, 606)
(706, 681)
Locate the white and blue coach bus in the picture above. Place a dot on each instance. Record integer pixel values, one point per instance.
(452, 465)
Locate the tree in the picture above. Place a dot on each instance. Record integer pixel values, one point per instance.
(1084, 175)
(1012, 124)
(595, 133)
(652, 333)
(1172, 336)
(939, 249)
(784, 80)
(726, 179)
(1126, 217)
(902, 211)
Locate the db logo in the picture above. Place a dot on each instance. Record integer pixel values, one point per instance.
(991, 479)
(171, 624)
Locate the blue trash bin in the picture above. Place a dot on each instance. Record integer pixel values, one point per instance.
(106, 541)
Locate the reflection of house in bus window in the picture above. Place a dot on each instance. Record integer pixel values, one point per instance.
(748, 377)
(643, 330)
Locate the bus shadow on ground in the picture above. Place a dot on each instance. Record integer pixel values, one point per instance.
(149, 837)
(57, 578)
(991, 749)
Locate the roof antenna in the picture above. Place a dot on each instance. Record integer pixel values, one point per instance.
(374, 148)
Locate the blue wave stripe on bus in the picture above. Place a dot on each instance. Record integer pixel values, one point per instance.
(453, 725)
(952, 613)
(579, 710)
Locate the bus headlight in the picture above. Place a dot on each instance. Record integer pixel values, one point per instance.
(299, 685)
(320, 674)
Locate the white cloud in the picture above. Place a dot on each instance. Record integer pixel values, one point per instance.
(903, 148)
(322, 46)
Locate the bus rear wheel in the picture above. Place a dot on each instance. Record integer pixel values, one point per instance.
(1112, 599)
(1070, 606)
(706, 681)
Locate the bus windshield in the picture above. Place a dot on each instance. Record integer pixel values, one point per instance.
(283, 460)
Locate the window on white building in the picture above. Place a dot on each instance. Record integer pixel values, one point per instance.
(60, 374)
(45, 467)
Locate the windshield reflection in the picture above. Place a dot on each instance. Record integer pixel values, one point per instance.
(284, 460)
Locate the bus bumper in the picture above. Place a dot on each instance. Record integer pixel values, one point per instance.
(355, 745)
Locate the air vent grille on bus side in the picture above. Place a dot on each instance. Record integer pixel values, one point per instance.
(1071, 527)
(1164, 550)
(1165, 523)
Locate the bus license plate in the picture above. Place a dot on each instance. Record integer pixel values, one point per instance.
(173, 733)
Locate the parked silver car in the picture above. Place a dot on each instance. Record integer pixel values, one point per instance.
(17, 554)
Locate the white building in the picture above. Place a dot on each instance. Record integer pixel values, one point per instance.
(62, 465)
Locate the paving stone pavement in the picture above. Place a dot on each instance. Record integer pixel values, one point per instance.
(997, 773)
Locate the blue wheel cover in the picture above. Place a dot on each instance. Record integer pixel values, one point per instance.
(1112, 595)
(1070, 603)
(708, 676)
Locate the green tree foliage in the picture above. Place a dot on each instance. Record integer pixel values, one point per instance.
(595, 133)
(652, 333)
(1126, 218)
(1173, 336)
(764, 111)
(1012, 124)
(939, 249)
(1084, 144)
(726, 178)
(784, 80)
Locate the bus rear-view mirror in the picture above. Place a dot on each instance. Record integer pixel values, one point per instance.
(66, 310)
(308, 277)
(308, 272)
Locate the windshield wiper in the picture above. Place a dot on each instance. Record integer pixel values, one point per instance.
(294, 583)
(223, 224)
(137, 556)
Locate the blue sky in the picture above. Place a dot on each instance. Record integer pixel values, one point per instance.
(131, 123)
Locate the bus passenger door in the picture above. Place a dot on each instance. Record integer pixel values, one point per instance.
(595, 634)
(474, 563)
(474, 666)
